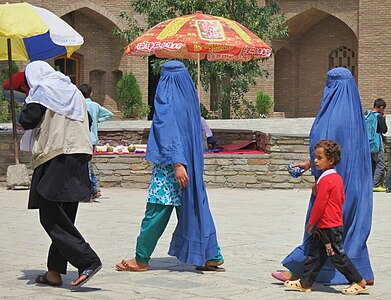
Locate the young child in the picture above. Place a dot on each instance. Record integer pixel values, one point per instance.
(326, 214)
(98, 114)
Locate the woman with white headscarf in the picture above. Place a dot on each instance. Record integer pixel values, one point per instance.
(61, 148)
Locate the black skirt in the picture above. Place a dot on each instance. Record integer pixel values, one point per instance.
(64, 178)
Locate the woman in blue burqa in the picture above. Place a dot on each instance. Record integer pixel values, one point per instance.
(341, 118)
(175, 148)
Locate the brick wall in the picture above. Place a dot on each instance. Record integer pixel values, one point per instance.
(316, 28)
(374, 51)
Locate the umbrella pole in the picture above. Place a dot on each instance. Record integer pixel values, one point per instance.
(198, 77)
(13, 114)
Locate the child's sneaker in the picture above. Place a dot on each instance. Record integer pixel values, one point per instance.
(379, 189)
(96, 194)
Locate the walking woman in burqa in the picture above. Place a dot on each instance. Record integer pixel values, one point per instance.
(341, 119)
(56, 113)
(175, 148)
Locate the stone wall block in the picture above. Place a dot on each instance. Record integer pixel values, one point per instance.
(246, 173)
(216, 179)
(123, 172)
(111, 166)
(253, 168)
(240, 161)
(140, 166)
(240, 185)
(290, 142)
(141, 172)
(242, 179)
(257, 161)
(277, 179)
(218, 161)
(138, 178)
(220, 172)
(285, 185)
(111, 178)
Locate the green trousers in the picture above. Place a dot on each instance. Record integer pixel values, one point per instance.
(152, 227)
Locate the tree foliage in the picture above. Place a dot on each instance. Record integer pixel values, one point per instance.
(234, 78)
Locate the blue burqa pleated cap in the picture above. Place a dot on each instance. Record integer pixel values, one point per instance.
(176, 137)
(341, 118)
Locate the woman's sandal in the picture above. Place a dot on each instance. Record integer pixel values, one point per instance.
(296, 285)
(124, 266)
(355, 289)
(210, 269)
(89, 273)
(211, 266)
(43, 279)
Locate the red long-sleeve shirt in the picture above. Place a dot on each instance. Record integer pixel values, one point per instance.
(327, 209)
(19, 83)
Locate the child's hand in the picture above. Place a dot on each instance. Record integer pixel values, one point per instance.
(309, 228)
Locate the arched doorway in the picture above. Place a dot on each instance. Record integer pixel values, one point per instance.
(300, 75)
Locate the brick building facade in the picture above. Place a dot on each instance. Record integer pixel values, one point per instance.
(323, 34)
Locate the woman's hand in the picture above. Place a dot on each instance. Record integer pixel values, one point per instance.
(314, 189)
(306, 165)
(181, 175)
(18, 126)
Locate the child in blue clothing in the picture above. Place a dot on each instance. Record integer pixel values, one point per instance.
(98, 114)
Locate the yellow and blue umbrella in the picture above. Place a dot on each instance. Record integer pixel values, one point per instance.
(29, 33)
(35, 33)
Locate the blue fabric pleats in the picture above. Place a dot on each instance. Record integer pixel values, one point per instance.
(176, 137)
(341, 118)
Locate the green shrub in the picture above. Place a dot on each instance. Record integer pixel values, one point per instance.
(263, 103)
(130, 97)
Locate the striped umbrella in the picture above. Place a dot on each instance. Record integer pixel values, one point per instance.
(29, 33)
(35, 33)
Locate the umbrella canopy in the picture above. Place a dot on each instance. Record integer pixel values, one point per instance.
(36, 33)
(197, 36)
(29, 33)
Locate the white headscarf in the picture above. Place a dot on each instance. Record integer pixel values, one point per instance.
(53, 90)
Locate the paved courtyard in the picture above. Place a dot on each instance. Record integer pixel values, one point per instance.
(256, 230)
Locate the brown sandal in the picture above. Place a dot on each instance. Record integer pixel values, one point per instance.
(43, 279)
(124, 266)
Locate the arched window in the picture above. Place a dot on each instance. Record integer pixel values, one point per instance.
(343, 57)
(70, 67)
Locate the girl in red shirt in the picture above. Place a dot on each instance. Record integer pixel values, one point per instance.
(326, 215)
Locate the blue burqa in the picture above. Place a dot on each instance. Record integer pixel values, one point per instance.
(176, 137)
(341, 119)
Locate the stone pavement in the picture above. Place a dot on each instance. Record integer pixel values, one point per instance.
(256, 229)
